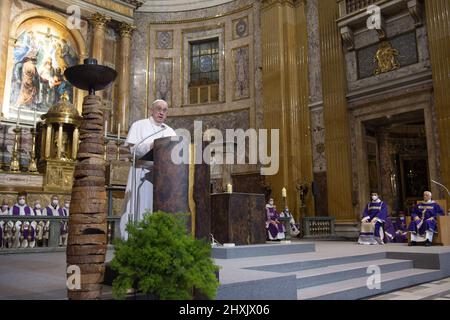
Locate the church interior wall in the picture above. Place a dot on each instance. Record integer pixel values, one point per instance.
(18, 9)
(372, 96)
(160, 56)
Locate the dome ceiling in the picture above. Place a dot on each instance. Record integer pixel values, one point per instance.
(178, 5)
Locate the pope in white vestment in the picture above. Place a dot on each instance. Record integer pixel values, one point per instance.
(144, 188)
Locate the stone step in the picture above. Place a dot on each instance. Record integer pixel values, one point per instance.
(435, 290)
(319, 263)
(357, 288)
(319, 276)
(260, 250)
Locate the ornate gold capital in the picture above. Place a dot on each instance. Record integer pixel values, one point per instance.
(99, 20)
(125, 29)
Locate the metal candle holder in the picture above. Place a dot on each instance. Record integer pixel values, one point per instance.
(32, 167)
(15, 165)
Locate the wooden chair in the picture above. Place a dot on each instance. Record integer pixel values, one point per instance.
(443, 223)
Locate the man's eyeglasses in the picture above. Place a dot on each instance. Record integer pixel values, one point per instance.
(162, 110)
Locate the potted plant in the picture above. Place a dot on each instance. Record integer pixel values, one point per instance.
(162, 260)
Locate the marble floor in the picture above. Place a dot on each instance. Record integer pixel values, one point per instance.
(42, 275)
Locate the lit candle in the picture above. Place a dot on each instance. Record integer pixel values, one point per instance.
(283, 193)
(106, 127)
(118, 132)
(229, 188)
(18, 117)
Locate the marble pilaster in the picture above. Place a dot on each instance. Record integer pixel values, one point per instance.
(125, 31)
(5, 11)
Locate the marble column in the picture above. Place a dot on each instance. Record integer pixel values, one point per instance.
(125, 31)
(303, 123)
(337, 131)
(76, 137)
(438, 24)
(5, 11)
(48, 141)
(99, 22)
(285, 97)
(60, 137)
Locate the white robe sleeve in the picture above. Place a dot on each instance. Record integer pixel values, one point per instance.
(134, 138)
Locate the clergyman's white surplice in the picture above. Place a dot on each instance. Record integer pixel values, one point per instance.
(144, 188)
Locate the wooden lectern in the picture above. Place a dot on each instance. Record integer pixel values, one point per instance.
(181, 188)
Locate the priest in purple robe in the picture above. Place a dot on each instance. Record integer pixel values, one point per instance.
(275, 228)
(423, 220)
(53, 209)
(4, 210)
(21, 208)
(401, 229)
(375, 213)
(66, 207)
(38, 211)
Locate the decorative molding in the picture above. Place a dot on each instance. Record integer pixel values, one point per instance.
(164, 39)
(126, 29)
(268, 3)
(99, 20)
(382, 31)
(203, 19)
(415, 10)
(347, 37)
(240, 28)
(135, 3)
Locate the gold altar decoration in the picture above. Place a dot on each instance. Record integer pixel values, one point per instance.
(386, 59)
(59, 145)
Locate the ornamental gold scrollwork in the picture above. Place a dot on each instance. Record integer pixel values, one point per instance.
(386, 58)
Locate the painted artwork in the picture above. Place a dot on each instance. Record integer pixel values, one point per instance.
(42, 52)
(241, 73)
(240, 28)
(163, 79)
(318, 141)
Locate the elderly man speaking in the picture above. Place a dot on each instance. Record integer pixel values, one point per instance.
(143, 187)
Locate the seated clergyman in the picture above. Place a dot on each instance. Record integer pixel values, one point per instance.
(423, 220)
(275, 228)
(372, 223)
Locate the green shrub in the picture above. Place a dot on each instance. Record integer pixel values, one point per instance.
(161, 259)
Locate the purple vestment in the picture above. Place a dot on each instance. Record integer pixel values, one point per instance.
(376, 209)
(273, 215)
(16, 210)
(54, 211)
(425, 211)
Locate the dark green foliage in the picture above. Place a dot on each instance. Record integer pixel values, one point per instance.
(161, 259)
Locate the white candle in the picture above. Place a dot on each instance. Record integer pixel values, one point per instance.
(18, 117)
(34, 120)
(229, 188)
(283, 192)
(118, 132)
(106, 127)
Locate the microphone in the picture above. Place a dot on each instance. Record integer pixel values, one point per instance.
(134, 205)
(441, 185)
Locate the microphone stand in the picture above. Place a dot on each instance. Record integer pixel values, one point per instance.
(134, 197)
(441, 185)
